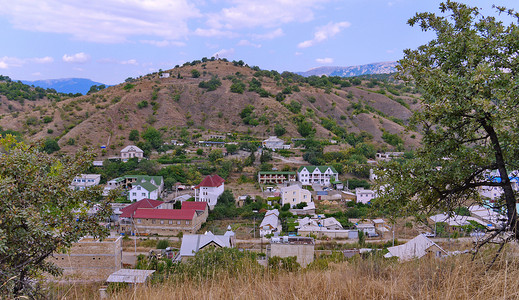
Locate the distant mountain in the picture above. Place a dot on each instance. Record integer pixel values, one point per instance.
(65, 85)
(375, 68)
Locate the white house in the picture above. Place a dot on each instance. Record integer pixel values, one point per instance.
(192, 243)
(209, 190)
(85, 181)
(273, 142)
(294, 194)
(364, 196)
(144, 187)
(323, 175)
(416, 248)
(131, 151)
(270, 223)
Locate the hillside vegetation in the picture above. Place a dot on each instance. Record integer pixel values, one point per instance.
(218, 96)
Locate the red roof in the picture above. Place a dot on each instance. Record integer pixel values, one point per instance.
(165, 214)
(194, 205)
(211, 181)
(129, 210)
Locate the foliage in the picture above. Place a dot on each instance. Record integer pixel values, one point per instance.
(153, 137)
(50, 146)
(162, 244)
(238, 87)
(289, 263)
(210, 85)
(279, 130)
(134, 135)
(195, 73)
(469, 116)
(43, 215)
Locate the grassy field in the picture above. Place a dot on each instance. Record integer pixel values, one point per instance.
(456, 277)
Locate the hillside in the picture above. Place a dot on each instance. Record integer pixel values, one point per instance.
(179, 107)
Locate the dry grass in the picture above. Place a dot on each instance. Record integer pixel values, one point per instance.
(451, 278)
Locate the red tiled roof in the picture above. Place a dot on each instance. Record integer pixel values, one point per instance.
(194, 205)
(128, 211)
(165, 214)
(211, 181)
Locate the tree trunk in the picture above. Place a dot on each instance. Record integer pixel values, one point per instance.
(511, 211)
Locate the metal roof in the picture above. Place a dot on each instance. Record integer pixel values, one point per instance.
(130, 276)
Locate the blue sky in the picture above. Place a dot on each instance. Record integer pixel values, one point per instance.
(110, 40)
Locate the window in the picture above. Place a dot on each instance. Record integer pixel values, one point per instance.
(170, 222)
(143, 194)
(153, 221)
(187, 222)
(138, 188)
(134, 194)
(139, 221)
(178, 222)
(161, 221)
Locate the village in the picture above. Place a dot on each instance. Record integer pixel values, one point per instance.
(300, 214)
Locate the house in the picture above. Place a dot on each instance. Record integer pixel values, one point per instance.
(387, 156)
(286, 246)
(192, 243)
(456, 222)
(309, 209)
(84, 181)
(368, 228)
(276, 177)
(273, 142)
(487, 215)
(131, 151)
(126, 215)
(328, 227)
(165, 221)
(200, 208)
(322, 175)
(270, 223)
(209, 190)
(294, 194)
(416, 248)
(150, 186)
(364, 196)
(381, 225)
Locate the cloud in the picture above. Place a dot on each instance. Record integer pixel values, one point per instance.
(248, 43)
(212, 32)
(266, 13)
(7, 62)
(163, 43)
(224, 53)
(269, 35)
(105, 21)
(119, 62)
(36, 74)
(324, 32)
(326, 60)
(78, 58)
(298, 53)
(42, 60)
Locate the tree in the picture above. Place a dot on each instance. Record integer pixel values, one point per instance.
(42, 214)
(215, 155)
(50, 146)
(153, 137)
(134, 135)
(469, 115)
(231, 148)
(279, 130)
(195, 73)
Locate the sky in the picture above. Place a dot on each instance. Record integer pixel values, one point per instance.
(110, 40)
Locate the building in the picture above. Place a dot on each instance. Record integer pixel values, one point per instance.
(273, 142)
(165, 221)
(416, 248)
(364, 196)
(84, 181)
(294, 194)
(149, 216)
(192, 243)
(90, 259)
(270, 223)
(150, 186)
(286, 246)
(387, 156)
(131, 151)
(322, 175)
(209, 190)
(276, 177)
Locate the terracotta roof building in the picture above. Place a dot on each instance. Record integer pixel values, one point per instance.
(209, 190)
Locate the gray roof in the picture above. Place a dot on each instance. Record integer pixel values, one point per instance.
(192, 243)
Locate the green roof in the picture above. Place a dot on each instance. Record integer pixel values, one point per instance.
(147, 186)
(323, 169)
(147, 178)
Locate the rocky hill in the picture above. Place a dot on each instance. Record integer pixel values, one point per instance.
(375, 68)
(205, 97)
(65, 85)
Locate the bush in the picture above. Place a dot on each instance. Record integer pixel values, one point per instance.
(162, 244)
(195, 73)
(238, 87)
